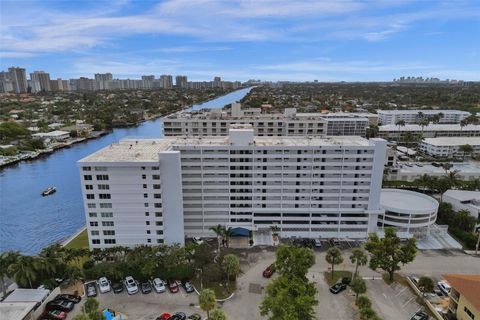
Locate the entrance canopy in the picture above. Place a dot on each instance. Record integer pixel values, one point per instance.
(240, 232)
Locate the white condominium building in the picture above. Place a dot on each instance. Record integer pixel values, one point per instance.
(413, 116)
(290, 123)
(160, 191)
(448, 147)
(394, 132)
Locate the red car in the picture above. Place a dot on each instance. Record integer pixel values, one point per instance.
(164, 316)
(269, 271)
(54, 315)
(172, 286)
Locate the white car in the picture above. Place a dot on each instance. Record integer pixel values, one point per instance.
(197, 240)
(158, 285)
(131, 285)
(104, 285)
(444, 286)
(318, 243)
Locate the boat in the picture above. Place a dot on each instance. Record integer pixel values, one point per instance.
(49, 191)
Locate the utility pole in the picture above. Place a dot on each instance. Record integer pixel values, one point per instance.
(477, 230)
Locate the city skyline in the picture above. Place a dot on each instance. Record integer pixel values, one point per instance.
(300, 41)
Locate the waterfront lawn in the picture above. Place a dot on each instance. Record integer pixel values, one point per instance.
(79, 242)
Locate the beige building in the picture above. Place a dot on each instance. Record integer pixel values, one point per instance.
(464, 296)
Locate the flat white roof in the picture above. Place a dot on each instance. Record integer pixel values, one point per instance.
(423, 111)
(465, 167)
(27, 295)
(15, 310)
(463, 195)
(430, 127)
(147, 150)
(452, 141)
(56, 133)
(405, 201)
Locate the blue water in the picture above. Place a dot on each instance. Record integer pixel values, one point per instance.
(30, 222)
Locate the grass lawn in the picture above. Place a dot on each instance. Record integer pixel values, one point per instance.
(221, 291)
(79, 242)
(337, 275)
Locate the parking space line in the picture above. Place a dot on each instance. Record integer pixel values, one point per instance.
(406, 303)
(401, 291)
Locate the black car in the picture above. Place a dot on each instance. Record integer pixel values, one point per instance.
(420, 315)
(91, 289)
(62, 305)
(117, 287)
(338, 287)
(195, 316)
(178, 316)
(68, 297)
(346, 280)
(146, 287)
(188, 286)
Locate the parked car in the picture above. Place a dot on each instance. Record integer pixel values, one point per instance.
(338, 287)
(346, 280)
(131, 285)
(178, 316)
(69, 297)
(104, 285)
(318, 243)
(420, 315)
(146, 287)
(158, 285)
(164, 316)
(195, 316)
(172, 286)
(187, 285)
(197, 240)
(415, 280)
(62, 305)
(269, 271)
(117, 287)
(91, 289)
(444, 286)
(54, 315)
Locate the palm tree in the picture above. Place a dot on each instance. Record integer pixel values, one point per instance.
(372, 131)
(465, 148)
(6, 259)
(400, 123)
(219, 232)
(358, 257)
(453, 178)
(423, 181)
(25, 270)
(227, 234)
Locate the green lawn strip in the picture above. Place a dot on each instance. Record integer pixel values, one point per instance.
(220, 289)
(79, 242)
(337, 276)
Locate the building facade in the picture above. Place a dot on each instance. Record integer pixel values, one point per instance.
(290, 123)
(414, 116)
(448, 147)
(464, 296)
(161, 191)
(43, 78)
(393, 132)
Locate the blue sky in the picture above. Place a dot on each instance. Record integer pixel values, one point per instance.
(349, 40)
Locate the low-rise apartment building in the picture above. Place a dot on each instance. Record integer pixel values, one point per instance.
(290, 123)
(393, 132)
(151, 191)
(464, 200)
(464, 296)
(448, 147)
(414, 116)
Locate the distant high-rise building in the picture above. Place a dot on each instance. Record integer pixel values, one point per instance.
(34, 86)
(166, 81)
(18, 77)
(217, 79)
(103, 76)
(147, 81)
(181, 81)
(43, 78)
(6, 84)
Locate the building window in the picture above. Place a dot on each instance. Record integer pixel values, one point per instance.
(88, 187)
(103, 187)
(90, 196)
(158, 214)
(107, 214)
(469, 313)
(95, 241)
(147, 214)
(144, 176)
(108, 232)
(145, 205)
(155, 168)
(102, 176)
(156, 186)
(147, 223)
(159, 232)
(105, 205)
(93, 224)
(104, 196)
(157, 196)
(100, 168)
(156, 177)
(109, 241)
(159, 223)
(87, 168)
(92, 214)
(148, 231)
(91, 205)
(158, 205)
(87, 177)
(144, 186)
(149, 240)
(107, 223)
(159, 240)
(95, 232)
(145, 195)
